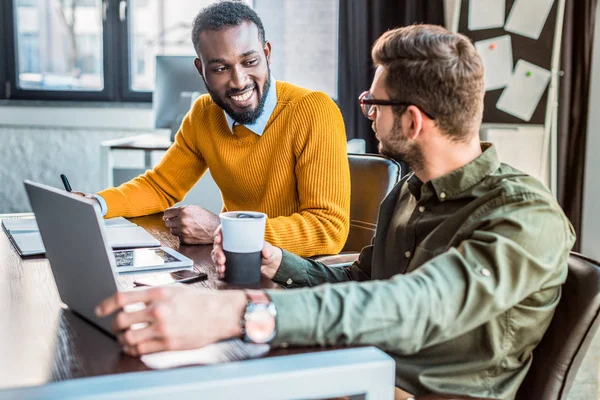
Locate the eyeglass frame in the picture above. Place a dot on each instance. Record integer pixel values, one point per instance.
(379, 102)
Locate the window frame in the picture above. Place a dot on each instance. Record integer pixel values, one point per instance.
(3, 50)
(125, 67)
(117, 68)
(109, 62)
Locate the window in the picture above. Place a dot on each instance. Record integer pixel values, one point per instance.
(105, 49)
(56, 42)
(155, 27)
(304, 39)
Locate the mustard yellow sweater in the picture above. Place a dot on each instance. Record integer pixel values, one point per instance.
(296, 172)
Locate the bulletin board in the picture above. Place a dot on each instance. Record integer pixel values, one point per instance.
(535, 51)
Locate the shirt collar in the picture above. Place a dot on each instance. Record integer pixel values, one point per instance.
(452, 185)
(260, 124)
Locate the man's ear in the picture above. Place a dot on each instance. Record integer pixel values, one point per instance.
(198, 65)
(267, 51)
(415, 116)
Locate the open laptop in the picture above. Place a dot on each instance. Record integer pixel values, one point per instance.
(76, 244)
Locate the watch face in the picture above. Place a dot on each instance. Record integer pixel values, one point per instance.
(260, 322)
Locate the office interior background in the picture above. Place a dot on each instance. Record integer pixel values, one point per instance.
(77, 74)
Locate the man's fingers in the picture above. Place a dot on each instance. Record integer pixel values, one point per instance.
(124, 319)
(218, 235)
(266, 252)
(172, 212)
(217, 254)
(133, 337)
(145, 347)
(121, 299)
(174, 222)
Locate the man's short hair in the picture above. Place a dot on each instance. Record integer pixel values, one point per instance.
(223, 15)
(439, 71)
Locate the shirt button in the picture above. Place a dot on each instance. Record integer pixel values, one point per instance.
(289, 281)
(422, 209)
(442, 195)
(407, 254)
(485, 272)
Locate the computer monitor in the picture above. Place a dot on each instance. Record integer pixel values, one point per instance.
(174, 75)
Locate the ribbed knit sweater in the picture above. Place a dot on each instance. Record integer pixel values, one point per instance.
(296, 172)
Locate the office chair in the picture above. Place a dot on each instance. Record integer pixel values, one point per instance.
(372, 177)
(577, 318)
(558, 357)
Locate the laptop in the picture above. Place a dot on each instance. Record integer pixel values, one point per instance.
(81, 259)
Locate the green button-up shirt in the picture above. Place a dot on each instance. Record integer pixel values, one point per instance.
(459, 285)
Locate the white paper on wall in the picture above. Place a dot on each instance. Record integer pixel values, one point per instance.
(520, 148)
(497, 57)
(528, 17)
(486, 14)
(524, 91)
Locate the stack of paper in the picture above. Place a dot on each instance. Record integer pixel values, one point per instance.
(121, 234)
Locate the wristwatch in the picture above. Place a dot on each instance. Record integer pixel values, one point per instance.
(258, 321)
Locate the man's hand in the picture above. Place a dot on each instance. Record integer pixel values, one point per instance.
(192, 224)
(177, 318)
(271, 257)
(87, 196)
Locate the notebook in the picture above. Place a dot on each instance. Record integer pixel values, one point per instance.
(121, 234)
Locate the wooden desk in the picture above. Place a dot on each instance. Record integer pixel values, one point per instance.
(41, 342)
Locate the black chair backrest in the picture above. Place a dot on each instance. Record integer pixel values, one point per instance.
(372, 177)
(577, 318)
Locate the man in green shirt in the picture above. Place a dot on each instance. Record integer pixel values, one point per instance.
(466, 267)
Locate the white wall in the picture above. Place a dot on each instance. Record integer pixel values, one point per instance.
(590, 230)
(43, 153)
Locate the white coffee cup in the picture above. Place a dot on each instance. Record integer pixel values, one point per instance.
(243, 241)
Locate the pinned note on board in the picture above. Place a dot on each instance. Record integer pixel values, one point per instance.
(486, 14)
(520, 147)
(497, 57)
(528, 17)
(524, 91)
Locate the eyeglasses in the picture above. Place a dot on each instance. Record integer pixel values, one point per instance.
(367, 102)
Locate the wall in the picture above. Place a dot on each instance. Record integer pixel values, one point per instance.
(43, 153)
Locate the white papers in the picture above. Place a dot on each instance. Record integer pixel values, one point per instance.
(120, 232)
(524, 91)
(123, 237)
(520, 148)
(117, 221)
(12, 225)
(28, 243)
(496, 54)
(230, 350)
(486, 14)
(528, 17)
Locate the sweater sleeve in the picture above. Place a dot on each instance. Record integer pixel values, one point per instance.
(322, 222)
(168, 183)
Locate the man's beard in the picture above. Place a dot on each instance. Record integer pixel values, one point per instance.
(244, 117)
(400, 149)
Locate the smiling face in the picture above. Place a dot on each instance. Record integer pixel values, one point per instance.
(235, 66)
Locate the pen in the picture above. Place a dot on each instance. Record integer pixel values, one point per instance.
(65, 182)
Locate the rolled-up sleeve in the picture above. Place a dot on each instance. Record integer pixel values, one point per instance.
(519, 247)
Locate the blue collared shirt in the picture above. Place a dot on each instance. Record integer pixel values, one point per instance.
(259, 125)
